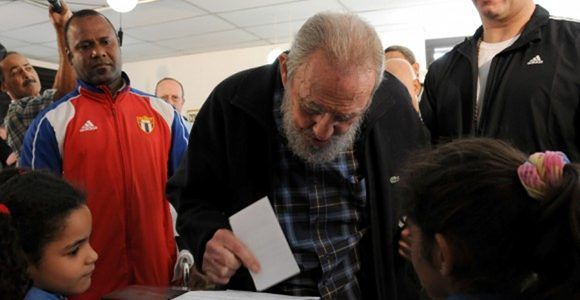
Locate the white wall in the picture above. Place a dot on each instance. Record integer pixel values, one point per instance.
(199, 73)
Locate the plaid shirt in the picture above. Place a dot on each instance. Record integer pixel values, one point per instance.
(20, 115)
(320, 209)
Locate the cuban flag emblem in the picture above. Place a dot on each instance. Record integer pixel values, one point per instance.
(146, 123)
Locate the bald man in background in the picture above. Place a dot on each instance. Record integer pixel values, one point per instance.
(404, 71)
(171, 90)
(398, 51)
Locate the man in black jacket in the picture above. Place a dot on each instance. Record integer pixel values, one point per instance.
(308, 133)
(516, 79)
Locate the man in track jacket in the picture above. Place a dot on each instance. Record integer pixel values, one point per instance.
(516, 79)
(120, 145)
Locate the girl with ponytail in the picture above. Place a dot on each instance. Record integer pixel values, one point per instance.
(488, 222)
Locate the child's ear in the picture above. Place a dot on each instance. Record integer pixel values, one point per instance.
(445, 255)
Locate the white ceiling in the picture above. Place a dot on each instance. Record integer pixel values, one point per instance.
(166, 28)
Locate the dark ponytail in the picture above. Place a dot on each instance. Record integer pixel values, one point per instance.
(557, 254)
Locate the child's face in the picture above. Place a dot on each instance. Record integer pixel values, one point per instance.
(68, 262)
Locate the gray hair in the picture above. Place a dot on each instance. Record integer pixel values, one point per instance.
(345, 39)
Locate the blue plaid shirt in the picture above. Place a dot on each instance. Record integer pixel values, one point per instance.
(320, 209)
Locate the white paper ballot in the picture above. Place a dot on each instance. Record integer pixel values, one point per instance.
(237, 295)
(258, 228)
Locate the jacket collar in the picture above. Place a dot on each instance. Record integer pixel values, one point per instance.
(84, 88)
(255, 97)
(382, 100)
(531, 32)
(254, 94)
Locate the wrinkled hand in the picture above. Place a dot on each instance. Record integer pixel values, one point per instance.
(59, 19)
(224, 255)
(405, 243)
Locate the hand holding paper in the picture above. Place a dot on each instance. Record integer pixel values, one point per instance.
(224, 255)
(258, 228)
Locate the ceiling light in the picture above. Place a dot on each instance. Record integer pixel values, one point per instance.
(122, 6)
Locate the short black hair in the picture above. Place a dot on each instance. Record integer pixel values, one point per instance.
(82, 14)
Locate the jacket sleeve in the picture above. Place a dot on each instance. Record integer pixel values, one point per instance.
(179, 136)
(40, 149)
(427, 105)
(200, 188)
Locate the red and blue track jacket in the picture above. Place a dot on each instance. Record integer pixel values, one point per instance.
(121, 152)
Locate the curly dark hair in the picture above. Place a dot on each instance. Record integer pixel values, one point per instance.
(39, 203)
(13, 279)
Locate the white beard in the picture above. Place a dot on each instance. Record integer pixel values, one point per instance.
(299, 139)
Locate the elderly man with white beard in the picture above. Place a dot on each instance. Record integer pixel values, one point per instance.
(322, 133)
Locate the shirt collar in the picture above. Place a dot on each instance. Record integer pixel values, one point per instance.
(35, 293)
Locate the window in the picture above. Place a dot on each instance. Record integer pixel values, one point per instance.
(435, 48)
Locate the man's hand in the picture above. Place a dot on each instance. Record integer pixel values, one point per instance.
(224, 255)
(59, 19)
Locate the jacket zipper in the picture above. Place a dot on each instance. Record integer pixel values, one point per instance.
(491, 76)
(122, 167)
(475, 76)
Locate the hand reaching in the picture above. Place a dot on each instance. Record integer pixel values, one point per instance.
(224, 255)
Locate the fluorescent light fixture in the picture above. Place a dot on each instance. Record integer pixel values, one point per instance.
(122, 6)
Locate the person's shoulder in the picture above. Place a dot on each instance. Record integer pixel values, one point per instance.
(564, 21)
(57, 108)
(158, 104)
(140, 93)
(154, 100)
(563, 25)
(251, 81)
(249, 76)
(48, 94)
(391, 87)
(391, 96)
(37, 104)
